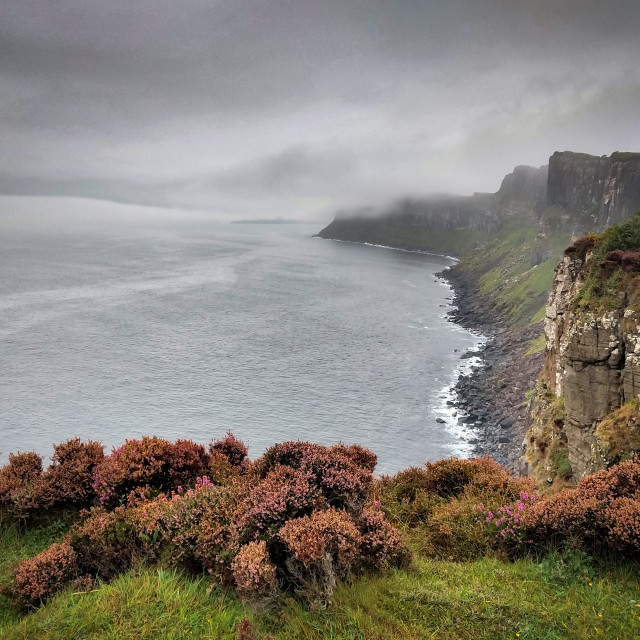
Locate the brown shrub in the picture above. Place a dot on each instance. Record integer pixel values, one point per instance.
(285, 493)
(21, 488)
(150, 462)
(321, 548)
(220, 469)
(186, 461)
(406, 497)
(622, 518)
(454, 531)
(361, 457)
(600, 513)
(254, 574)
(381, 546)
(105, 543)
(332, 532)
(581, 246)
(200, 528)
(43, 575)
(631, 261)
(285, 454)
(234, 450)
(68, 479)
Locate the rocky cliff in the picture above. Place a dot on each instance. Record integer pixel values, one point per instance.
(575, 194)
(584, 416)
(594, 192)
(445, 223)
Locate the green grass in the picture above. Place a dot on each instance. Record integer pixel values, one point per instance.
(454, 242)
(17, 543)
(508, 274)
(536, 345)
(561, 596)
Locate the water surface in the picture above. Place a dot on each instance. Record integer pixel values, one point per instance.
(185, 331)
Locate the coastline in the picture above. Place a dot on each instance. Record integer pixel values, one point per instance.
(487, 401)
(493, 395)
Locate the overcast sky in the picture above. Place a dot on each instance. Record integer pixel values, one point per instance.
(297, 108)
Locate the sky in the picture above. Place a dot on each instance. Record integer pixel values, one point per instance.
(300, 108)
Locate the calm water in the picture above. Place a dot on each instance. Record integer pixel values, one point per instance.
(185, 332)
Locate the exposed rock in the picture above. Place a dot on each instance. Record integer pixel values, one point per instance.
(598, 191)
(592, 363)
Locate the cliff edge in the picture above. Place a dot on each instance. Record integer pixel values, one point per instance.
(584, 415)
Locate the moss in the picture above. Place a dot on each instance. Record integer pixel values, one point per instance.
(618, 435)
(546, 446)
(559, 461)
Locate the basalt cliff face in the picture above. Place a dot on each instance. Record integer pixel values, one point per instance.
(594, 192)
(574, 194)
(579, 416)
(584, 416)
(445, 223)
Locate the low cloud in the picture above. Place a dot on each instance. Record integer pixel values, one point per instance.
(304, 107)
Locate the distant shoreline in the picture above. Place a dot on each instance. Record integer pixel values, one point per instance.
(267, 221)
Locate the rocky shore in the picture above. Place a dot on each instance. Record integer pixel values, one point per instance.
(493, 398)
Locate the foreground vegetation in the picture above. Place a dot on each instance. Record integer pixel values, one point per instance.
(300, 544)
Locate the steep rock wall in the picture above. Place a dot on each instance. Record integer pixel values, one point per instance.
(594, 191)
(522, 192)
(591, 366)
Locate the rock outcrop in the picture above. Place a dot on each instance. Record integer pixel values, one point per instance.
(594, 192)
(591, 369)
(408, 222)
(576, 193)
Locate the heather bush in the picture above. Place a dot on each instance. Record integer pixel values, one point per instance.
(105, 543)
(507, 521)
(581, 246)
(341, 482)
(68, 480)
(234, 450)
(448, 478)
(42, 576)
(447, 500)
(200, 528)
(406, 497)
(221, 471)
(186, 461)
(321, 548)
(452, 531)
(286, 454)
(150, 462)
(361, 457)
(381, 547)
(601, 513)
(299, 525)
(283, 494)
(21, 485)
(342, 475)
(254, 574)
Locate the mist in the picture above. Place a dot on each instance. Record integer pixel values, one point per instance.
(246, 109)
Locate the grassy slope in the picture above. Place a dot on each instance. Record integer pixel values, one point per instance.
(455, 242)
(560, 597)
(504, 262)
(506, 271)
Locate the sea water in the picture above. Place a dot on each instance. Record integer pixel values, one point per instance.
(190, 329)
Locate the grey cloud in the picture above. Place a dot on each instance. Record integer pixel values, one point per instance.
(245, 104)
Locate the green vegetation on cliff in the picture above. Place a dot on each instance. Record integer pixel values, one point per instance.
(455, 242)
(515, 270)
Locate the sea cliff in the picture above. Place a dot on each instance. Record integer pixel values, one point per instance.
(509, 243)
